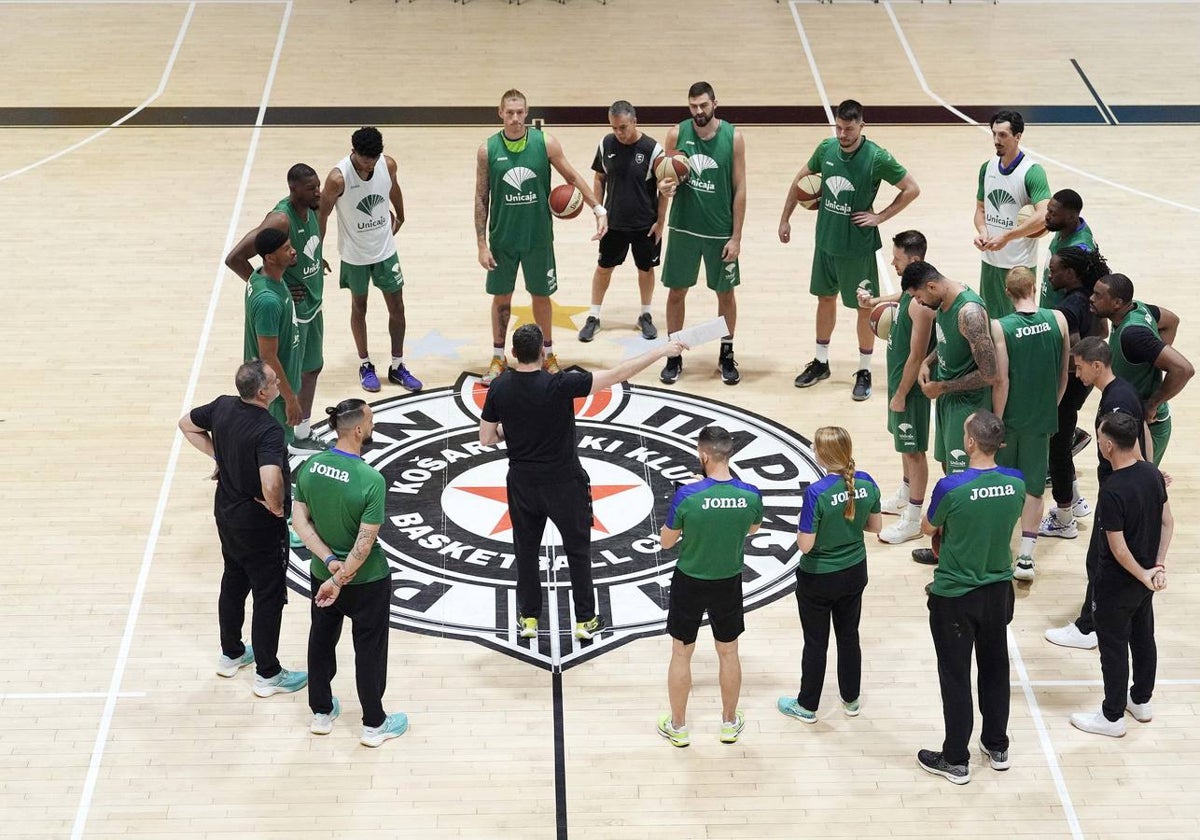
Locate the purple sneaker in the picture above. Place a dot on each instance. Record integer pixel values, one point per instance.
(366, 375)
(401, 376)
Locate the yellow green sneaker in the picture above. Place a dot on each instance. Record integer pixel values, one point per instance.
(731, 729)
(589, 629)
(528, 627)
(679, 737)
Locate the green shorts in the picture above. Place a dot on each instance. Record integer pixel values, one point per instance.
(991, 289)
(1029, 453)
(831, 275)
(312, 341)
(952, 411)
(1160, 434)
(386, 276)
(681, 266)
(537, 266)
(910, 428)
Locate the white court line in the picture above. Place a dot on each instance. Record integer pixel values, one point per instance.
(64, 695)
(162, 85)
(142, 2)
(135, 606)
(916, 67)
(1044, 736)
(1051, 683)
(1136, 3)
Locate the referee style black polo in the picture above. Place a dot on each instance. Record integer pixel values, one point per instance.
(631, 192)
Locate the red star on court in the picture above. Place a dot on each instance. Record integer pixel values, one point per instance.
(500, 494)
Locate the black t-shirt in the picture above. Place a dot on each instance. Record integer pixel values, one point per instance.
(1131, 501)
(1118, 396)
(245, 438)
(630, 189)
(1077, 309)
(1140, 345)
(537, 410)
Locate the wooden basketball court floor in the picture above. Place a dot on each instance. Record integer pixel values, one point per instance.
(119, 315)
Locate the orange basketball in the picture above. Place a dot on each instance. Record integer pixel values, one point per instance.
(808, 191)
(566, 201)
(1023, 216)
(671, 165)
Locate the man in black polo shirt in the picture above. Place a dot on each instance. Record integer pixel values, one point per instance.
(533, 412)
(1093, 367)
(624, 180)
(1135, 517)
(252, 502)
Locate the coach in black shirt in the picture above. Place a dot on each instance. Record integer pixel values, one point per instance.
(252, 502)
(1135, 517)
(624, 179)
(533, 412)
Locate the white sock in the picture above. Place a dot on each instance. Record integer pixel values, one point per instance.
(913, 512)
(1027, 544)
(903, 491)
(498, 351)
(823, 352)
(645, 309)
(595, 311)
(397, 361)
(549, 347)
(304, 429)
(864, 360)
(365, 360)
(1064, 515)
(1075, 497)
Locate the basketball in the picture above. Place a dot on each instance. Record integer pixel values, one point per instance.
(808, 192)
(566, 201)
(882, 317)
(671, 165)
(1023, 216)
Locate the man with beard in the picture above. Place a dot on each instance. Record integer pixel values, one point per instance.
(1069, 229)
(271, 331)
(296, 216)
(851, 168)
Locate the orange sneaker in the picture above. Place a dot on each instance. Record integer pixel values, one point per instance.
(498, 366)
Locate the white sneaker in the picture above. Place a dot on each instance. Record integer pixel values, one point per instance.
(894, 504)
(1023, 570)
(902, 531)
(323, 724)
(1051, 527)
(1097, 724)
(1141, 712)
(1070, 636)
(1081, 508)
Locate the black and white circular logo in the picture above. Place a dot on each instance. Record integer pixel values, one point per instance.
(448, 536)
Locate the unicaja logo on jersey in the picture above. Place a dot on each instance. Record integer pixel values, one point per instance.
(310, 247)
(516, 178)
(836, 184)
(699, 164)
(369, 203)
(1002, 209)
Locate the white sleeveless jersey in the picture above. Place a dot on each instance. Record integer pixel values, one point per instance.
(1003, 197)
(363, 214)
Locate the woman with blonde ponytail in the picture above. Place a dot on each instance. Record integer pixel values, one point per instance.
(837, 511)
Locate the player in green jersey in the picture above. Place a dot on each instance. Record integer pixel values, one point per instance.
(296, 216)
(716, 514)
(1070, 230)
(707, 212)
(962, 367)
(832, 575)
(1033, 347)
(971, 598)
(1142, 354)
(271, 332)
(339, 507)
(851, 168)
(512, 221)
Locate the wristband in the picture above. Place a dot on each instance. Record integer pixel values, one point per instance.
(599, 211)
(330, 559)
(334, 581)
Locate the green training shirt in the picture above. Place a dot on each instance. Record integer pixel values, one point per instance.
(342, 493)
(715, 517)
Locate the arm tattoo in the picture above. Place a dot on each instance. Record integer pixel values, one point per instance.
(482, 195)
(976, 329)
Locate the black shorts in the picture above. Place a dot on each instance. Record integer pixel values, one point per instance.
(615, 244)
(692, 597)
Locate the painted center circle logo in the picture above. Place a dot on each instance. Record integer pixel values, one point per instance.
(448, 537)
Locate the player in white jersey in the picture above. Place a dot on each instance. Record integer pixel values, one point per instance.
(1007, 182)
(360, 187)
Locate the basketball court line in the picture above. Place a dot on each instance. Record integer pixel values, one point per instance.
(162, 86)
(114, 690)
(1134, 3)
(1105, 111)
(64, 695)
(916, 67)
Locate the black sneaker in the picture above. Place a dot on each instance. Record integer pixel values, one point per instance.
(862, 385)
(935, 763)
(1080, 441)
(670, 372)
(589, 328)
(646, 325)
(814, 373)
(729, 371)
(997, 758)
(924, 556)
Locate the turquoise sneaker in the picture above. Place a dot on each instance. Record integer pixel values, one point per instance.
(285, 682)
(227, 667)
(730, 730)
(395, 725)
(789, 707)
(851, 708)
(322, 724)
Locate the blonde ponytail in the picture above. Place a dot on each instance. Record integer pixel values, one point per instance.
(835, 451)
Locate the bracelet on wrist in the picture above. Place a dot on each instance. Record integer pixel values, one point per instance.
(333, 579)
(332, 558)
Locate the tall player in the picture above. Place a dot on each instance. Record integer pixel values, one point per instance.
(706, 221)
(1007, 182)
(851, 168)
(512, 221)
(296, 216)
(360, 186)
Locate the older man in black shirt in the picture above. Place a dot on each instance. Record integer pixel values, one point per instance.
(252, 502)
(533, 412)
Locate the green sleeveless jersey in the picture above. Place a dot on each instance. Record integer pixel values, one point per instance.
(954, 353)
(270, 313)
(898, 344)
(343, 492)
(306, 239)
(849, 185)
(703, 204)
(1034, 344)
(977, 511)
(1082, 235)
(519, 217)
(1145, 378)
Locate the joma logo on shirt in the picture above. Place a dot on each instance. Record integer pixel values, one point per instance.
(1033, 329)
(331, 472)
(723, 503)
(992, 492)
(844, 496)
